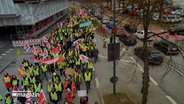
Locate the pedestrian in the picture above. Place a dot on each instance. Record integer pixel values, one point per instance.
(96, 52)
(25, 63)
(37, 87)
(45, 70)
(25, 81)
(87, 79)
(8, 99)
(55, 77)
(77, 79)
(69, 96)
(90, 66)
(59, 88)
(21, 71)
(7, 79)
(54, 96)
(104, 41)
(49, 86)
(15, 81)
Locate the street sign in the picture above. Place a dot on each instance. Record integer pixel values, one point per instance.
(113, 51)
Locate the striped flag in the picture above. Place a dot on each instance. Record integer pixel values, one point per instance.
(26, 47)
(83, 58)
(76, 44)
(41, 97)
(94, 28)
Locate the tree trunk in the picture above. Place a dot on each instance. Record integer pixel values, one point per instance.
(145, 81)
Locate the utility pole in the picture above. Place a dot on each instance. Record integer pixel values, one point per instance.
(114, 62)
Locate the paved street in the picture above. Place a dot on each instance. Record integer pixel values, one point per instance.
(166, 81)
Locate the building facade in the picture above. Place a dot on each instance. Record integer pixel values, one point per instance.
(29, 18)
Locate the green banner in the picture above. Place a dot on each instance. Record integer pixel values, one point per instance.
(89, 23)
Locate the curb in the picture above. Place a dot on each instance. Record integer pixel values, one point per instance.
(4, 68)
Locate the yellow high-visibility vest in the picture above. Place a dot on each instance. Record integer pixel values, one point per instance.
(37, 88)
(87, 76)
(58, 87)
(32, 80)
(6, 79)
(54, 96)
(49, 87)
(44, 68)
(8, 100)
(14, 82)
(25, 81)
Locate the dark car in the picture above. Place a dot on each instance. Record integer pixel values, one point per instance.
(109, 25)
(129, 41)
(166, 48)
(155, 57)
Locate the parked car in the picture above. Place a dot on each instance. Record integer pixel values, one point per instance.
(127, 40)
(140, 35)
(155, 17)
(179, 12)
(171, 19)
(166, 48)
(104, 20)
(130, 28)
(155, 57)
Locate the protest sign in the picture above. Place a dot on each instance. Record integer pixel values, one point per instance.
(69, 71)
(82, 93)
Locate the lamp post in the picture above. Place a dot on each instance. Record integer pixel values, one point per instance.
(114, 61)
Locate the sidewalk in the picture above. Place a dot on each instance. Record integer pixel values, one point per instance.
(130, 78)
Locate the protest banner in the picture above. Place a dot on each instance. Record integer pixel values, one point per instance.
(88, 23)
(48, 61)
(69, 71)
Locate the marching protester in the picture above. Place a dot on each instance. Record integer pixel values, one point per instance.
(69, 50)
(87, 79)
(7, 80)
(77, 79)
(15, 81)
(54, 98)
(8, 99)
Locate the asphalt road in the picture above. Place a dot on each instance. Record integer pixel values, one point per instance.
(168, 76)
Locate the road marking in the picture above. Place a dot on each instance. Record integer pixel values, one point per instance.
(97, 82)
(3, 54)
(127, 61)
(10, 49)
(154, 82)
(0, 57)
(142, 70)
(7, 51)
(171, 100)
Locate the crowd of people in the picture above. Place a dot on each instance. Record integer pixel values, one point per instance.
(72, 44)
